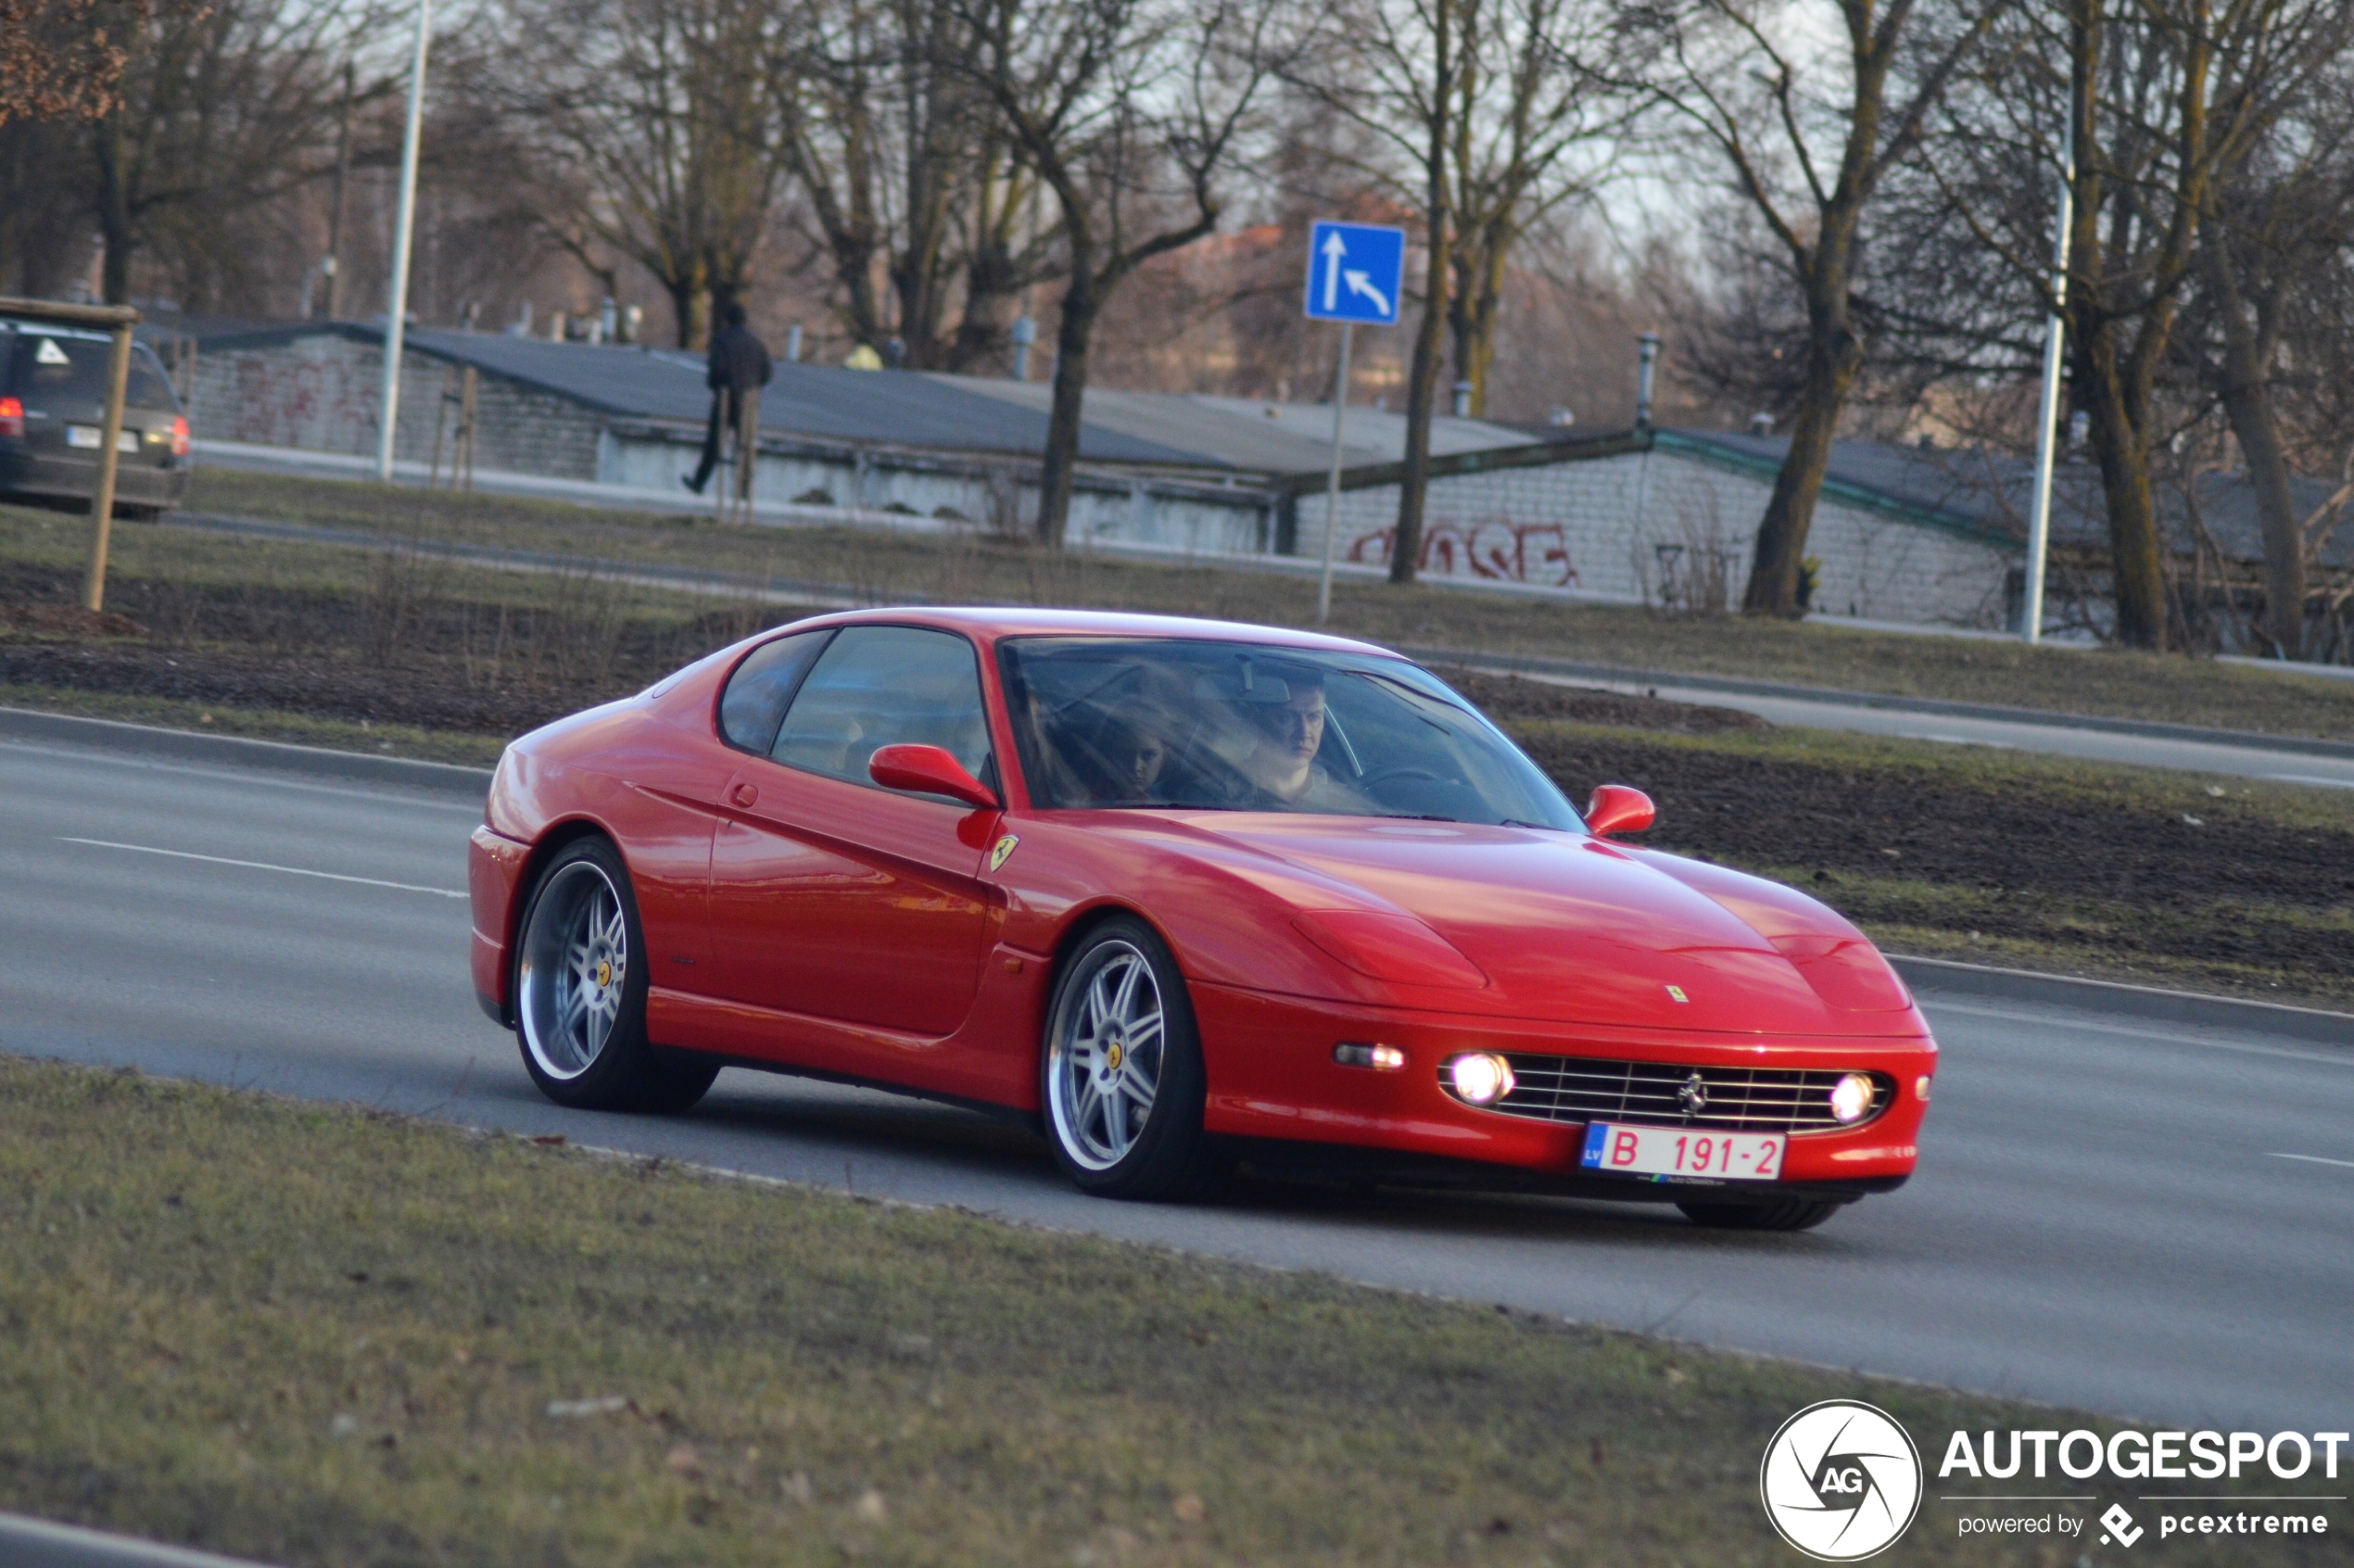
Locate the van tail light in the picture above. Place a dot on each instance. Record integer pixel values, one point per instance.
(11, 417)
(180, 435)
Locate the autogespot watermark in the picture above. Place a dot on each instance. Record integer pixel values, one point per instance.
(1842, 1481)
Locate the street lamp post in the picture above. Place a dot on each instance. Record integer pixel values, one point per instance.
(2039, 523)
(397, 302)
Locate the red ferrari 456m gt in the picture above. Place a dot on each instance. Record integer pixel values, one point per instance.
(1177, 893)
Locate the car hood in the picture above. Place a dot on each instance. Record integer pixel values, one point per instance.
(1564, 927)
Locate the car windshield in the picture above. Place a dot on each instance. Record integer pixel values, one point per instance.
(1234, 726)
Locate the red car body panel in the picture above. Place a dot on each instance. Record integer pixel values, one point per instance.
(810, 924)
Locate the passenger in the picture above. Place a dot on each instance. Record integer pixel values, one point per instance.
(1135, 754)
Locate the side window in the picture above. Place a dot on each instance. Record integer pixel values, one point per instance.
(753, 705)
(886, 686)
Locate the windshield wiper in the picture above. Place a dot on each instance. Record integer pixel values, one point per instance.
(1413, 816)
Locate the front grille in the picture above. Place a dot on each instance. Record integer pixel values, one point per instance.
(1736, 1099)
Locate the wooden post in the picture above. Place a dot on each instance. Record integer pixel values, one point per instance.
(747, 450)
(94, 592)
(468, 386)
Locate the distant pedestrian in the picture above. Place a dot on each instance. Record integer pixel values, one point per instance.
(737, 364)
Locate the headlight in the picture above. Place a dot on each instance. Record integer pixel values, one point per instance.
(1852, 1098)
(1481, 1077)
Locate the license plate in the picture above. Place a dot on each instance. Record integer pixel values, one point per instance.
(1678, 1151)
(90, 439)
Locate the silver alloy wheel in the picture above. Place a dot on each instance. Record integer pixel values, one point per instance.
(1104, 1064)
(575, 966)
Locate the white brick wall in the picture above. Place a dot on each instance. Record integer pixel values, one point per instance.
(322, 393)
(1645, 526)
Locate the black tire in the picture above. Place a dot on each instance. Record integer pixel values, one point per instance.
(1169, 1158)
(1793, 1214)
(582, 1048)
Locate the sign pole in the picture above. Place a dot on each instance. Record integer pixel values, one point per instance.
(404, 224)
(1331, 495)
(2039, 525)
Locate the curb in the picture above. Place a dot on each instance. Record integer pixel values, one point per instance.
(229, 750)
(2244, 740)
(37, 1543)
(1935, 975)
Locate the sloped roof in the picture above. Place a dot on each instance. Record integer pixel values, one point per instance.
(1246, 432)
(821, 401)
(1990, 493)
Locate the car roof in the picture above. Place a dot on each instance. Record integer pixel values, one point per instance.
(992, 623)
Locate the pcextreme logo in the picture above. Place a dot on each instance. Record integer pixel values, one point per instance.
(1842, 1481)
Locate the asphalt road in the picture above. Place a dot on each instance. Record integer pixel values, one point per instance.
(2149, 1221)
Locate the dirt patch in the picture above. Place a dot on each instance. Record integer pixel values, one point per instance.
(2050, 866)
(1512, 697)
(400, 652)
(67, 621)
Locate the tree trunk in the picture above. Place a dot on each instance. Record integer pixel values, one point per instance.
(1422, 380)
(1834, 355)
(686, 309)
(2138, 563)
(114, 208)
(1055, 482)
(1471, 313)
(2247, 395)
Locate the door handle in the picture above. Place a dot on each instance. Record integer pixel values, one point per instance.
(743, 794)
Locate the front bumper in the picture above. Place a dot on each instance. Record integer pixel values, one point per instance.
(494, 872)
(1272, 1077)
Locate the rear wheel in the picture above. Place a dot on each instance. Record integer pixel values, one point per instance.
(1123, 1080)
(1795, 1214)
(580, 994)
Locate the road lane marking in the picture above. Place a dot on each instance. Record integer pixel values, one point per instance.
(1938, 1004)
(265, 865)
(2314, 1160)
(2312, 778)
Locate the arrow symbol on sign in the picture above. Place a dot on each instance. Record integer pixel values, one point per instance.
(1358, 282)
(1334, 248)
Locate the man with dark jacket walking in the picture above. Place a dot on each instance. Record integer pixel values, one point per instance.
(737, 364)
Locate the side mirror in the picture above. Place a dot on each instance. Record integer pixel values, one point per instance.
(1617, 809)
(928, 770)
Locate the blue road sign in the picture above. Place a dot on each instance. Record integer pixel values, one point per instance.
(1356, 273)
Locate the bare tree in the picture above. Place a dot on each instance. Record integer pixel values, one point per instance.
(220, 111)
(1129, 112)
(1806, 133)
(652, 118)
(909, 177)
(2162, 99)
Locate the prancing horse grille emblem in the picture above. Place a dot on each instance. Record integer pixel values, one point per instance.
(1692, 1095)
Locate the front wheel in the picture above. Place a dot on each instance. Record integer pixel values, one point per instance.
(1123, 1080)
(1793, 1214)
(580, 994)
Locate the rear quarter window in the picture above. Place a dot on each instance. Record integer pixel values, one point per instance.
(65, 368)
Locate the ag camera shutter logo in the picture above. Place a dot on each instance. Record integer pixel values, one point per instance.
(1842, 1481)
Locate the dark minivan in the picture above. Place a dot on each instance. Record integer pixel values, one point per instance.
(53, 409)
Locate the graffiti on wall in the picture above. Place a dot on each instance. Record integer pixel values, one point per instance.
(325, 404)
(1496, 548)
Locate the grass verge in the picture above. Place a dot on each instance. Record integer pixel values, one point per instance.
(311, 1334)
(253, 723)
(965, 568)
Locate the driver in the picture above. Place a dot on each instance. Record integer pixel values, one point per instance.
(1289, 733)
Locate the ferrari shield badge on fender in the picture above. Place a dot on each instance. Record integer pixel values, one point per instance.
(1001, 850)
